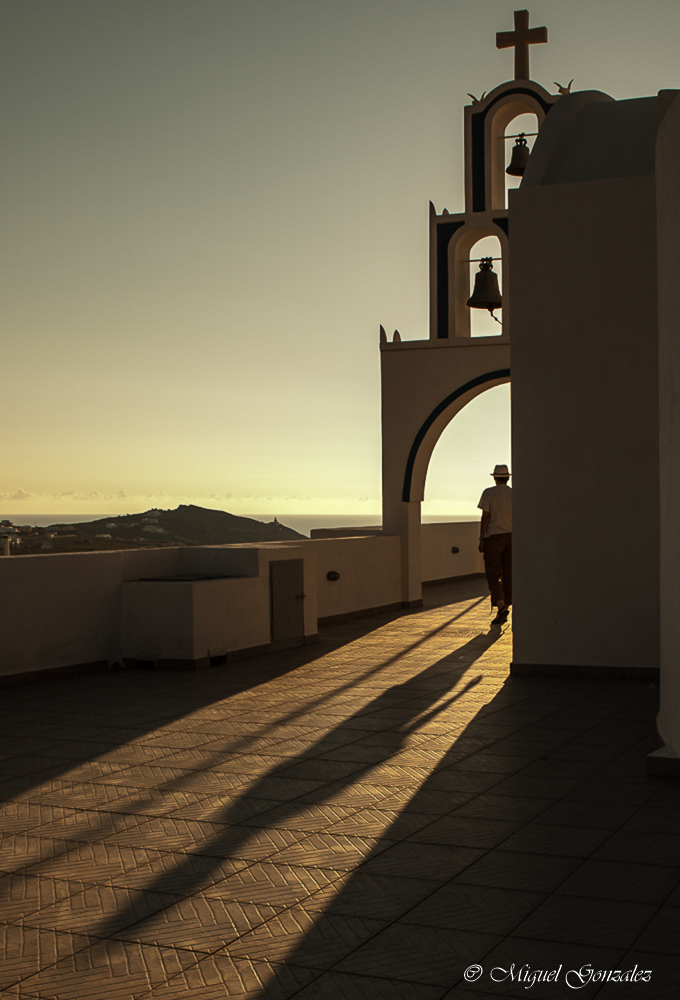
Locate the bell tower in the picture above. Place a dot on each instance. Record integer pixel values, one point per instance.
(425, 383)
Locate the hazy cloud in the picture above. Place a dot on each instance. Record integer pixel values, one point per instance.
(17, 495)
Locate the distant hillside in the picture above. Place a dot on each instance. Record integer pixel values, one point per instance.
(186, 525)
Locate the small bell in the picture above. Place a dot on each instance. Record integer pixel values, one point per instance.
(486, 294)
(519, 158)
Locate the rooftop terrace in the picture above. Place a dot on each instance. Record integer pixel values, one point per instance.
(363, 818)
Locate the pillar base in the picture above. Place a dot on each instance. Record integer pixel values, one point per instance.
(664, 763)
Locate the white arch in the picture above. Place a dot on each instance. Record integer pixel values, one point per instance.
(432, 428)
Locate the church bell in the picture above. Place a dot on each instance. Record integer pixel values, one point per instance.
(519, 158)
(486, 294)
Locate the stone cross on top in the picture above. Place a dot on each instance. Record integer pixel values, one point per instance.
(521, 38)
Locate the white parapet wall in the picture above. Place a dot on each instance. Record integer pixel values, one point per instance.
(63, 610)
(438, 558)
(200, 605)
(73, 610)
(357, 574)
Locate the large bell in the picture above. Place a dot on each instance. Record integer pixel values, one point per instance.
(519, 158)
(486, 294)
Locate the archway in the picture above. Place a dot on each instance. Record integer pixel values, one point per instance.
(473, 442)
(433, 426)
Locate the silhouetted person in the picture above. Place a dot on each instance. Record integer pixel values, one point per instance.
(495, 541)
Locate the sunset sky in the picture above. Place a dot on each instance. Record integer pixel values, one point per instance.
(208, 208)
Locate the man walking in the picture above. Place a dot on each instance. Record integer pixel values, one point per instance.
(495, 541)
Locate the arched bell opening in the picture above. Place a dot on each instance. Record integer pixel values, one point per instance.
(470, 245)
(476, 438)
(520, 135)
(485, 281)
(509, 112)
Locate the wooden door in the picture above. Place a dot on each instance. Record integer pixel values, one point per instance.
(286, 587)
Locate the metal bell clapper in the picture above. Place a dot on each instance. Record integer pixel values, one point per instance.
(486, 293)
(519, 158)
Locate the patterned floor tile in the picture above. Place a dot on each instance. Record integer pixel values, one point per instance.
(504, 807)
(426, 800)
(88, 795)
(416, 954)
(99, 911)
(92, 862)
(579, 920)
(617, 880)
(634, 846)
(597, 790)
(177, 873)
(91, 770)
(303, 816)
(22, 816)
(278, 885)
(450, 780)
(220, 808)
(341, 986)
(167, 833)
(661, 935)
(113, 970)
(27, 950)
(147, 776)
(157, 802)
(655, 820)
(429, 861)
(482, 909)
(330, 850)
(307, 939)
(74, 824)
(318, 769)
(361, 894)
(466, 831)
(359, 752)
(355, 796)
(279, 788)
(29, 765)
(199, 923)
(514, 870)
(21, 894)
(21, 850)
(548, 838)
(218, 976)
(497, 763)
(571, 812)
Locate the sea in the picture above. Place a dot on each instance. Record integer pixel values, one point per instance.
(298, 522)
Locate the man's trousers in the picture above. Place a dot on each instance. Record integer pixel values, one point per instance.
(498, 567)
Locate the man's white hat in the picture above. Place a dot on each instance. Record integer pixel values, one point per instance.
(501, 470)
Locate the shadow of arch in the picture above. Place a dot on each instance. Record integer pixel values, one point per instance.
(433, 426)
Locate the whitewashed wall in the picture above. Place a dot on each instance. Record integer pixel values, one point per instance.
(62, 610)
(369, 573)
(437, 541)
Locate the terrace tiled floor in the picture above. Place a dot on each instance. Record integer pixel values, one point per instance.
(365, 818)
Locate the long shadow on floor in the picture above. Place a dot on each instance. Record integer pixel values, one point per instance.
(50, 726)
(550, 849)
(411, 704)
